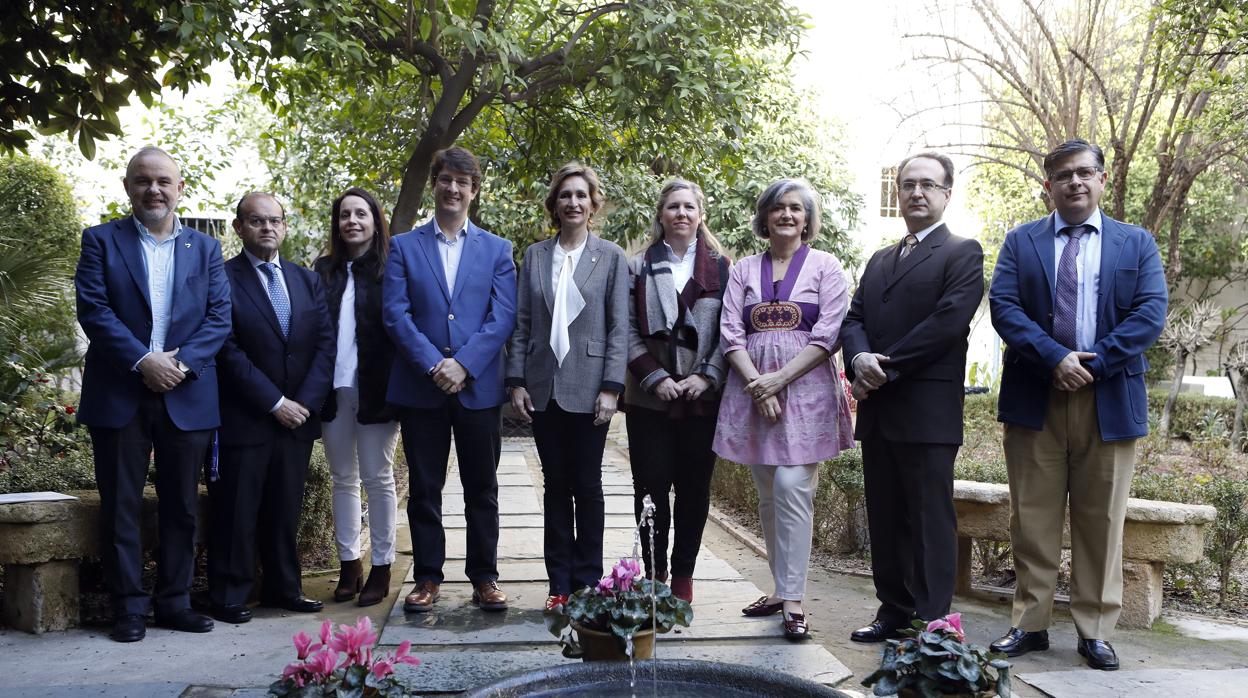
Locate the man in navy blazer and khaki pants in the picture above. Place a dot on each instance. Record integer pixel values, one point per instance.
(449, 304)
(155, 306)
(1078, 297)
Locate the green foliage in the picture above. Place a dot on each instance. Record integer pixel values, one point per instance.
(316, 529)
(38, 245)
(37, 431)
(70, 66)
(624, 603)
(1226, 542)
(1194, 415)
(939, 662)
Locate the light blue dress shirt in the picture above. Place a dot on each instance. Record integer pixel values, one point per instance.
(450, 251)
(158, 261)
(1088, 268)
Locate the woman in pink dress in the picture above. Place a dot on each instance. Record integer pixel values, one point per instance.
(784, 409)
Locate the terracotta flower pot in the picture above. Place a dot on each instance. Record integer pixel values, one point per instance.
(602, 646)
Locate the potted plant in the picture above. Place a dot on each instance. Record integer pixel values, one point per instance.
(343, 664)
(935, 660)
(621, 613)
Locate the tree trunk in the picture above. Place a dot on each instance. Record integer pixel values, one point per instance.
(1241, 398)
(415, 176)
(1180, 363)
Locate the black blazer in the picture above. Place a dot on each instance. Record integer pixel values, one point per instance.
(257, 365)
(918, 312)
(376, 351)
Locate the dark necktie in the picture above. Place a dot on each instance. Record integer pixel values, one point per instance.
(1066, 308)
(909, 242)
(277, 295)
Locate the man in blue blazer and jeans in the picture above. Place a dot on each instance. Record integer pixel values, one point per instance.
(449, 304)
(1078, 297)
(155, 306)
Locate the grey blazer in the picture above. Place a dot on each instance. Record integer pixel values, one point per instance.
(599, 334)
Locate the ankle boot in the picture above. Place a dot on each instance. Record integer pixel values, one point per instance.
(377, 587)
(682, 588)
(349, 579)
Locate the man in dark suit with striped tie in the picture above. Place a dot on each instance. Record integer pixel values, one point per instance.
(905, 341)
(1078, 297)
(276, 369)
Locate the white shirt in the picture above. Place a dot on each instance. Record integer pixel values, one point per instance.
(264, 284)
(1088, 269)
(347, 363)
(682, 268)
(450, 251)
(556, 260)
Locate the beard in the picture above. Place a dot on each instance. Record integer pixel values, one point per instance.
(150, 217)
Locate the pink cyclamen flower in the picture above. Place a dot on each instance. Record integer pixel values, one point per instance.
(322, 663)
(382, 668)
(624, 572)
(292, 670)
(353, 640)
(303, 644)
(326, 627)
(401, 655)
(951, 623)
(606, 586)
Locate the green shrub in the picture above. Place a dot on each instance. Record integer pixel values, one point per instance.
(73, 470)
(38, 430)
(316, 519)
(1195, 415)
(1225, 544)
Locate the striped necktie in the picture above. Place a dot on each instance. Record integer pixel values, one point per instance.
(1066, 307)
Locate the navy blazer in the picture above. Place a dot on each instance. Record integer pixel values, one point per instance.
(115, 311)
(1130, 314)
(258, 365)
(429, 321)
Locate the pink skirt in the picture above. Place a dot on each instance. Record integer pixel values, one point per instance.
(814, 422)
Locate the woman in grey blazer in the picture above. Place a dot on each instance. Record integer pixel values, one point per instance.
(565, 370)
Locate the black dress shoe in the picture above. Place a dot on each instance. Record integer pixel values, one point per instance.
(1099, 653)
(1018, 641)
(235, 613)
(130, 627)
(300, 604)
(186, 620)
(878, 631)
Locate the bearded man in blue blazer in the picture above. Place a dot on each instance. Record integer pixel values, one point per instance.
(1078, 297)
(155, 306)
(449, 304)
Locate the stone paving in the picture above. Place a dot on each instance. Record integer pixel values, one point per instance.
(460, 646)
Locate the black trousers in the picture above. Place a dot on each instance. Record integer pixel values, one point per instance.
(427, 445)
(570, 446)
(913, 527)
(666, 453)
(255, 505)
(121, 461)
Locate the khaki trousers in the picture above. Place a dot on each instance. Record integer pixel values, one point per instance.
(786, 510)
(1068, 459)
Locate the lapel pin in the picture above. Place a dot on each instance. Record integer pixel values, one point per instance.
(188, 245)
(593, 259)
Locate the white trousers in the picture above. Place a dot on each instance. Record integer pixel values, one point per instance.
(362, 452)
(786, 509)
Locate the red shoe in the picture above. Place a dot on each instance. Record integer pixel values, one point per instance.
(682, 588)
(555, 601)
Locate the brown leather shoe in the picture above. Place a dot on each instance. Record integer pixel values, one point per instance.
(421, 600)
(349, 579)
(377, 587)
(488, 596)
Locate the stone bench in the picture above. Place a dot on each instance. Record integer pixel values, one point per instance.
(1156, 533)
(43, 536)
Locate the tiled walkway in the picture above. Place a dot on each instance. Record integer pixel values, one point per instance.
(461, 647)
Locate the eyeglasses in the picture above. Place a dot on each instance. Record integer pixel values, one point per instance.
(257, 221)
(447, 180)
(1083, 173)
(928, 186)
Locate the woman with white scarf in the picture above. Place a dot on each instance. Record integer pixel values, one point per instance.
(565, 371)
